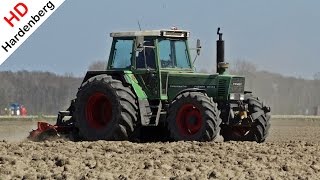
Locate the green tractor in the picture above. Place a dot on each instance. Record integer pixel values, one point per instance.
(150, 81)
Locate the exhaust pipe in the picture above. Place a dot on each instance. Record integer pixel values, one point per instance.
(221, 64)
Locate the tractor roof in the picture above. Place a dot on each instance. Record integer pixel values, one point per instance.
(162, 32)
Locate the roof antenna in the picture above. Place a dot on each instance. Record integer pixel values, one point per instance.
(139, 25)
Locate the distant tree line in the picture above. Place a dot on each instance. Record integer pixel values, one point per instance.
(39, 92)
(47, 93)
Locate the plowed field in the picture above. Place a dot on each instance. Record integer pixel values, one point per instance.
(292, 151)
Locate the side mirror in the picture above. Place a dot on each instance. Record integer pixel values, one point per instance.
(139, 43)
(198, 46)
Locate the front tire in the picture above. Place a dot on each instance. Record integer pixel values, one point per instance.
(193, 116)
(261, 123)
(260, 117)
(105, 109)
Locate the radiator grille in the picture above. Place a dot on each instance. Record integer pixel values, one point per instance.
(222, 87)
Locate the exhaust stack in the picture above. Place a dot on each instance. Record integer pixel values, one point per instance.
(222, 66)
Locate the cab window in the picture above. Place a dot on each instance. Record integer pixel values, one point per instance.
(181, 54)
(146, 58)
(174, 54)
(122, 54)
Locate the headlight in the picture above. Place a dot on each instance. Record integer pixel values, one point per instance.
(232, 96)
(241, 97)
(236, 96)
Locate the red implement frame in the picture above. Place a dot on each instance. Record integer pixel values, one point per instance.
(46, 130)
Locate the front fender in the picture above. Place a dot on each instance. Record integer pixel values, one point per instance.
(190, 90)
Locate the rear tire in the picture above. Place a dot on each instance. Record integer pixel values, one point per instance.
(105, 109)
(193, 116)
(259, 129)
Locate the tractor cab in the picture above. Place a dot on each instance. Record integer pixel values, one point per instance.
(151, 56)
(150, 50)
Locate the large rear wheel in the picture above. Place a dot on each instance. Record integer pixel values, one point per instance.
(105, 109)
(193, 116)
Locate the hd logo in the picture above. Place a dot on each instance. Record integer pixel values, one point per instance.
(19, 19)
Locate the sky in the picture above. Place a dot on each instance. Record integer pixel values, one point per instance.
(277, 36)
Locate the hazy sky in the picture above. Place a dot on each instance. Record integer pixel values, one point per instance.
(278, 36)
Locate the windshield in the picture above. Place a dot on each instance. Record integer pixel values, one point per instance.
(122, 54)
(174, 54)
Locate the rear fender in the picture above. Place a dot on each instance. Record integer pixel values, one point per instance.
(143, 102)
(117, 74)
(124, 77)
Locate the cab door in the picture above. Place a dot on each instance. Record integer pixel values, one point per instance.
(146, 69)
(174, 58)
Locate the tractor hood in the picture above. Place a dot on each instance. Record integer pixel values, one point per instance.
(218, 86)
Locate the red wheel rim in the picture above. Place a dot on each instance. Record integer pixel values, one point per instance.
(98, 110)
(189, 120)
